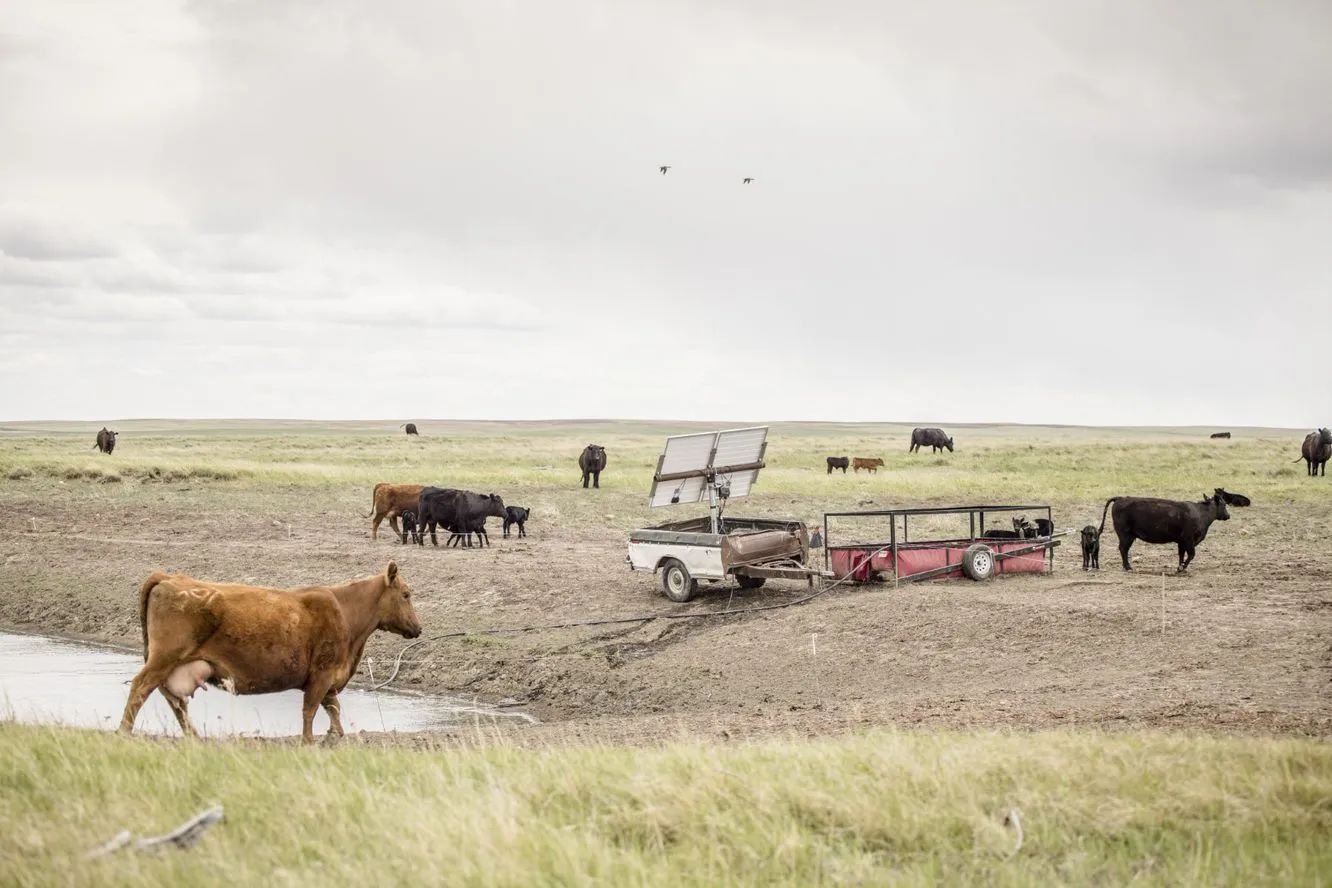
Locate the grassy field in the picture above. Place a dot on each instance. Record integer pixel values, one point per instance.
(881, 807)
(991, 462)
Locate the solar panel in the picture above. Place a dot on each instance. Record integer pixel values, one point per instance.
(730, 458)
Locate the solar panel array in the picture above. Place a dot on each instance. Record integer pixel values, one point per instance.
(701, 452)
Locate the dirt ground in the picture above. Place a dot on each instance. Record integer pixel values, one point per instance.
(1243, 642)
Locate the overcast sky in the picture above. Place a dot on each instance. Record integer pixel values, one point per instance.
(1106, 213)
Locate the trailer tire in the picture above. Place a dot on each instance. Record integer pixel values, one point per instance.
(978, 562)
(750, 582)
(676, 581)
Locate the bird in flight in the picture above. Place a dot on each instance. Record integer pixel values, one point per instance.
(747, 180)
(663, 169)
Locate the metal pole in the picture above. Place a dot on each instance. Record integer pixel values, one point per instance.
(892, 541)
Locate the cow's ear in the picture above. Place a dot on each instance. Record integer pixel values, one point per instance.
(391, 572)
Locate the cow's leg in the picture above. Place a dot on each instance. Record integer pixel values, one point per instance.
(334, 710)
(522, 530)
(393, 523)
(314, 696)
(148, 679)
(1124, 543)
(374, 526)
(1183, 558)
(585, 477)
(181, 707)
(596, 479)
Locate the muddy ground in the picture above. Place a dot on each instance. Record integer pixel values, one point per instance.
(1244, 643)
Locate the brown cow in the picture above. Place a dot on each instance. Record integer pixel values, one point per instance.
(391, 500)
(253, 640)
(870, 464)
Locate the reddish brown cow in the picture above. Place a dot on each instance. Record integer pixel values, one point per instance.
(870, 463)
(390, 501)
(254, 640)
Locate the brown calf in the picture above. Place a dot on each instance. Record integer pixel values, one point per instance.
(871, 464)
(390, 501)
(254, 640)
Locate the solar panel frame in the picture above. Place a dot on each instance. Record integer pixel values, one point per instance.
(703, 451)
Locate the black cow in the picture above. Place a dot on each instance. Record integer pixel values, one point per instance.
(516, 515)
(1220, 434)
(1021, 528)
(1091, 548)
(1234, 499)
(838, 462)
(411, 428)
(1316, 451)
(932, 438)
(462, 536)
(593, 462)
(455, 510)
(1164, 521)
(106, 440)
(409, 527)
(1044, 527)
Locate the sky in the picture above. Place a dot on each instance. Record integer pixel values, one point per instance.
(1028, 211)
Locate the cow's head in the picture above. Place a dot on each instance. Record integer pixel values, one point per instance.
(492, 506)
(1325, 436)
(396, 613)
(1020, 523)
(596, 452)
(1219, 503)
(950, 445)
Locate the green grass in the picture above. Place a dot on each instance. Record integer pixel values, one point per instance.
(992, 463)
(882, 807)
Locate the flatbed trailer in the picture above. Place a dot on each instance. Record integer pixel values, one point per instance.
(749, 550)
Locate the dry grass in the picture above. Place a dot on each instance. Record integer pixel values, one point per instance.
(883, 807)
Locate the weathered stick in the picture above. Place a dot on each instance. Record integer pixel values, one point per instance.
(182, 836)
(1015, 820)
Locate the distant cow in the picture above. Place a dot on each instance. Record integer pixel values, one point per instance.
(1234, 499)
(1317, 450)
(390, 501)
(593, 462)
(255, 640)
(1091, 548)
(516, 515)
(458, 511)
(106, 440)
(932, 438)
(411, 428)
(1220, 434)
(838, 462)
(1164, 521)
(868, 463)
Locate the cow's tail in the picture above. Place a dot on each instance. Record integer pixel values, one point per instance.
(374, 501)
(1105, 512)
(144, 591)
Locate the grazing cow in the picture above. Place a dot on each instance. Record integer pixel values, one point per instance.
(868, 463)
(455, 510)
(838, 462)
(255, 640)
(592, 461)
(411, 428)
(935, 439)
(516, 515)
(409, 526)
(1234, 499)
(1220, 434)
(1164, 521)
(1316, 451)
(106, 440)
(390, 501)
(1091, 548)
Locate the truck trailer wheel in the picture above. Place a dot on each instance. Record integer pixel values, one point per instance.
(978, 562)
(676, 581)
(750, 582)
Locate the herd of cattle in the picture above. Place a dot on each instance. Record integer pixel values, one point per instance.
(424, 509)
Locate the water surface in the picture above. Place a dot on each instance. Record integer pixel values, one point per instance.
(54, 681)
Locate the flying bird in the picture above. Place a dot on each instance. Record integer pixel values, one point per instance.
(663, 169)
(747, 180)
